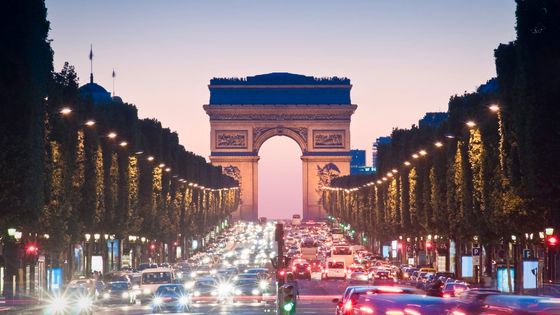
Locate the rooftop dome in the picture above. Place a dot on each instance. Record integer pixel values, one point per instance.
(97, 93)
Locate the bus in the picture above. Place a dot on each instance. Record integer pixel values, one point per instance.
(296, 219)
(343, 253)
(337, 234)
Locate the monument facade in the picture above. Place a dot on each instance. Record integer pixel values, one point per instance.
(314, 112)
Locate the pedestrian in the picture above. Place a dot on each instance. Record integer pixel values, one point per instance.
(293, 282)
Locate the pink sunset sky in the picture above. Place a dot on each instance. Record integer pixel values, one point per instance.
(404, 58)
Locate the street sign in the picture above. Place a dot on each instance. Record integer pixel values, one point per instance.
(476, 260)
(476, 256)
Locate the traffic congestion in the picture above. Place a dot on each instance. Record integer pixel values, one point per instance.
(239, 273)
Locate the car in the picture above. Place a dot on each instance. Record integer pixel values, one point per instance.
(335, 269)
(171, 297)
(503, 304)
(358, 276)
(118, 292)
(248, 289)
(301, 271)
(451, 289)
(345, 296)
(472, 301)
(382, 277)
(75, 300)
(398, 303)
(205, 287)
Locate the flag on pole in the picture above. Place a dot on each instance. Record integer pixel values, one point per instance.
(91, 52)
(114, 74)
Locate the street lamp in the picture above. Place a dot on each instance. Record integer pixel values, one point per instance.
(18, 235)
(88, 237)
(90, 123)
(470, 124)
(65, 110)
(494, 108)
(112, 135)
(438, 144)
(123, 144)
(12, 232)
(96, 236)
(549, 231)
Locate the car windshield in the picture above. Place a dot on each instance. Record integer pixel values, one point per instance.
(118, 286)
(168, 290)
(205, 283)
(156, 277)
(245, 282)
(336, 265)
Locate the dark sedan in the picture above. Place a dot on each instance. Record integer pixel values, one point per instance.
(170, 297)
(118, 292)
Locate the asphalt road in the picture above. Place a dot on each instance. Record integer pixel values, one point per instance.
(315, 298)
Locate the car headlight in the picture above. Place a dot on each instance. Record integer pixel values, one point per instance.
(196, 293)
(255, 292)
(84, 303)
(183, 300)
(225, 288)
(263, 284)
(214, 292)
(124, 295)
(193, 274)
(58, 304)
(135, 287)
(158, 301)
(146, 291)
(106, 295)
(237, 291)
(189, 284)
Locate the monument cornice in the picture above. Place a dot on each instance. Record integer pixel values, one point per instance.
(280, 112)
(291, 86)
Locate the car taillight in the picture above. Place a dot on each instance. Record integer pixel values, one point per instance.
(366, 310)
(348, 306)
(294, 268)
(394, 312)
(446, 295)
(457, 313)
(309, 268)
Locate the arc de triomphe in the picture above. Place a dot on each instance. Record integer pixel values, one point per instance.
(314, 112)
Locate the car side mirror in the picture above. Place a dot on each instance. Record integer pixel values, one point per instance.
(335, 300)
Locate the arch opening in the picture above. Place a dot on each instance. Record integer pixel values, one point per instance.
(280, 178)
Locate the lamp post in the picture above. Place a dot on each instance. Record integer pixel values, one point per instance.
(87, 267)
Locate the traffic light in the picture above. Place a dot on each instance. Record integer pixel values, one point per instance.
(428, 245)
(288, 300)
(31, 249)
(552, 241)
(152, 246)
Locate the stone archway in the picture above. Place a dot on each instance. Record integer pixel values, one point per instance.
(315, 113)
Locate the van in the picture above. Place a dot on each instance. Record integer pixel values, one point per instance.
(335, 269)
(151, 279)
